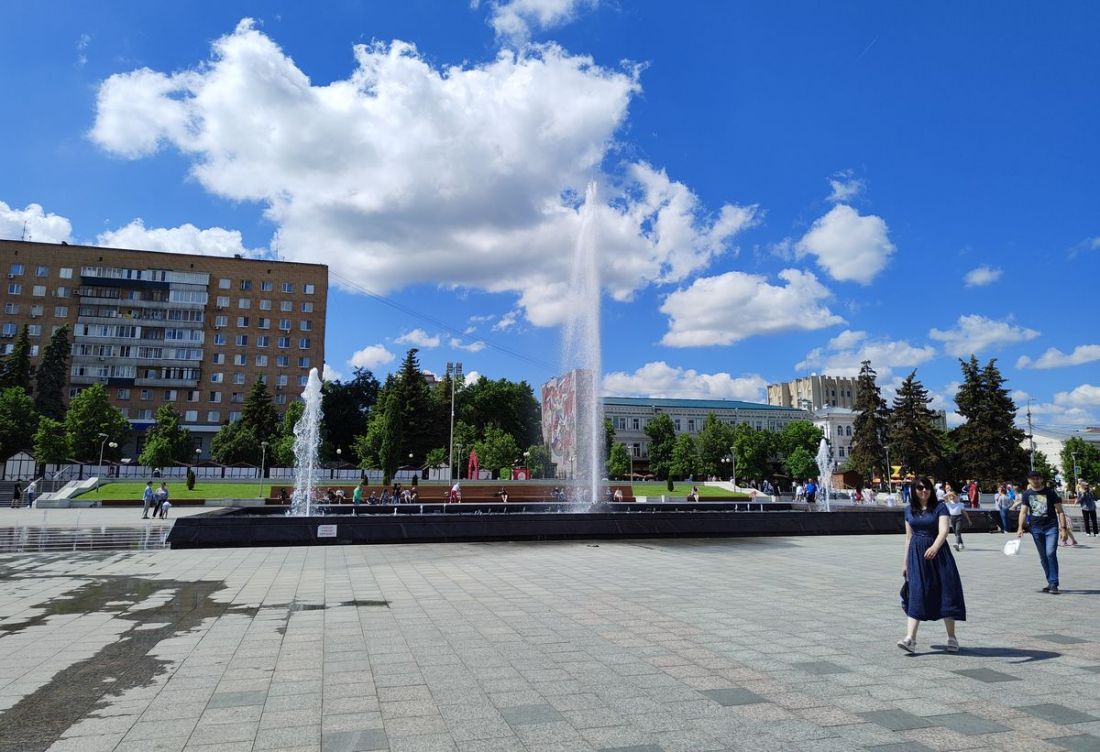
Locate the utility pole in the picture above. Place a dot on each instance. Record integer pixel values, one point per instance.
(1030, 438)
(454, 373)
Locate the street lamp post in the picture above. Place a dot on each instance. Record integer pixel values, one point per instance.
(889, 470)
(102, 442)
(527, 465)
(263, 461)
(630, 456)
(733, 466)
(454, 373)
(457, 465)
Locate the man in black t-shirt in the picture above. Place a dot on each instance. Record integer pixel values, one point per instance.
(1048, 524)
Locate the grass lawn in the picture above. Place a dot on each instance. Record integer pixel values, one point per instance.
(681, 490)
(177, 489)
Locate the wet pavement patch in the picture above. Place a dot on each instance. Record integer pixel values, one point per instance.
(39, 719)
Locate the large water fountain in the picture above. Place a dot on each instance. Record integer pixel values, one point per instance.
(581, 351)
(825, 467)
(307, 438)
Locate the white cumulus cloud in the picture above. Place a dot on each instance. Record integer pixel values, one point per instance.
(419, 338)
(404, 173)
(658, 379)
(982, 275)
(848, 246)
(213, 241)
(34, 223)
(844, 186)
(843, 355)
(1055, 358)
(974, 333)
(331, 374)
(476, 346)
(371, 357)
(514, 20)
(1085, 395)
(733, 306)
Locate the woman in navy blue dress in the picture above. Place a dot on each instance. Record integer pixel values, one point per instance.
(935, 590)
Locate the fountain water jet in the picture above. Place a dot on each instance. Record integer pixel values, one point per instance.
(307, 438)
(581, 351)
(825, 467)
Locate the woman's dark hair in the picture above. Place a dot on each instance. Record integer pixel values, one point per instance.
(914, 501)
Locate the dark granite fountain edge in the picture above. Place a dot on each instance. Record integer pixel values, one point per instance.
(233, 528)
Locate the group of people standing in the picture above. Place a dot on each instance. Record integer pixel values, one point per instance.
(155, 500)
(933, 589)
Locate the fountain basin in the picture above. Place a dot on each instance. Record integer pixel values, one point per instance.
(430, 523)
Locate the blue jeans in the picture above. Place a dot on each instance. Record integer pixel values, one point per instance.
(1004, 520)
(1046, 541)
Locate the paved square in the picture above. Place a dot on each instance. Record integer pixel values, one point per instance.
(751, 644)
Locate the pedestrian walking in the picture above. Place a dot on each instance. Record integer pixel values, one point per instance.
(16, 495)
(29, 493)
(974, 494)
(147, 499)
(957, 511)
(357, 497)
(1087, 501)
(811, 491)
(1002, 502)
(159, 497)
(1048, 524)
(934, 587)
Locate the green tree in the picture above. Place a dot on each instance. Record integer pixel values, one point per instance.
(538, 459)
(52, 376)
(281, 452)
(662, 437)
(754, 450)
(684, 457)
(498, 449)
(259, 414)
(867, 455)
(17, 366)
(167, 441)
(89, 415)
(18, 421)
(506, 404)
(608, 437)
(235, 442)
(800, 464)
(50, 444)
(914, 438)
(390, 452)
(1088, 460)
(989, 443)
(346, 406)
(800, 433)
(618, 464)
(1047, 470)
(242, 440)
(437, 457)
(714, 442)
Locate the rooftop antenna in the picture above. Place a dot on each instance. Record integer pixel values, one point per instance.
(24, 235)
(277, 256)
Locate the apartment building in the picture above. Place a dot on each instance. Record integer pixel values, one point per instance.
(155, 328)
(814, 392)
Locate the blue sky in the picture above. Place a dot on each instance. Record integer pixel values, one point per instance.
(784, 188)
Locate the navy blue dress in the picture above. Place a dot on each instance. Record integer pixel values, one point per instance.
(935, 590)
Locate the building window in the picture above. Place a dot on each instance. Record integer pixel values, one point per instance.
(219, 339)
(281, 380)
(244, 303)
(284, 342)
(305, 325)
(11, 308)
(238, 378)
(284, 325)
(266, 285)
(265, 304)
(691, 425)
(242, 340)
(224, 284)
(146, 394)
(242, 321)
(246, 284)
(193, 395)
(170, 395)
(308, 289)
(41, 271)
(286, 306)
(236, 398)
(61, 312)
(191, 416)
(263, 341)
(223, 301)
(635, 424)
(234, 416)
(221, 320)
(840, 451)
(303, 362)
(215, 397)
(261, 360)
(63, 292)
(288, 287)
(217, 377)
(34, 330)
(303, 343)
(123, 394)
(213, 416)
(847, 430)
(238, 359)
(264, 323)
(218, 359)
(14, 288)
(65, 272)
(17, 270)
(307, 306)
(280, 399)
(282, 361)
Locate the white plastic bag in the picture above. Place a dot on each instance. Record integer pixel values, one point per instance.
(1012, 547)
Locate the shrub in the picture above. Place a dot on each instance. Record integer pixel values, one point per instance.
(190, 479)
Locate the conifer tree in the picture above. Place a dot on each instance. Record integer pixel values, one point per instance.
(52, 376)
(914, 438)
(868, 454)
(17, 366)
(989, 443)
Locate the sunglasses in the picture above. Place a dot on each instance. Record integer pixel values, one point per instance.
(923, 488)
